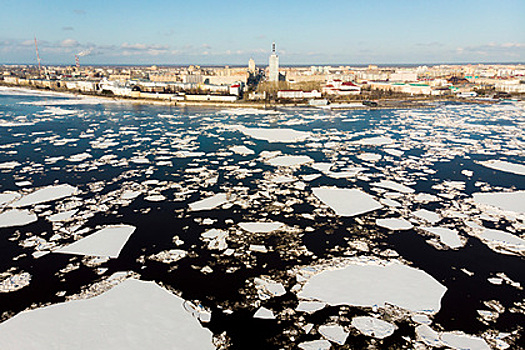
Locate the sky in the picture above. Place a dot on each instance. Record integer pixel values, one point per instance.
(227, 32)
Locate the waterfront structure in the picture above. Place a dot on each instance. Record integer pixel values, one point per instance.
(273, 75)
(251, 66)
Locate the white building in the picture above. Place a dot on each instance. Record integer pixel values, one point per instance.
(251, 66)
(274, 66)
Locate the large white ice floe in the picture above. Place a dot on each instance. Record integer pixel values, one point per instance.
(7, 197)
(289, 160)
(394, 186)
(46, 194)
(447, 236)
(210, 203)
(132, 315)
(508, 167)
(261, 227)
(503, 242)
(373, 327)
(274, 135)
(461, 341)
(427, 215)
(107, 242)
(511, 201)
(376, 283)
(394, 224)
(16, 217)
(346, 202)
(375, 141)
(428, 336)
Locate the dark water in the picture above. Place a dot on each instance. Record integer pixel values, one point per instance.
(431, 140)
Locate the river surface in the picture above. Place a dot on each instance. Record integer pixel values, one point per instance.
(145, 165)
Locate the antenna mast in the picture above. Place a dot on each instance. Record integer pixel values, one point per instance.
(37, 56)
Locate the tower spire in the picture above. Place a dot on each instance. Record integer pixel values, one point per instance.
(273, 47)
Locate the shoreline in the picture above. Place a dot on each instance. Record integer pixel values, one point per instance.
(383, 104)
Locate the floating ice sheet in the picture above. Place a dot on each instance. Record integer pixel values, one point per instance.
(462, 341)
(334, 333)
(274, 135)
(346, 202)
(290, 160)
(394, 186)
(210, 202)
(502, 241)
(46, 194)
(394, 224)
(375, 141)
(261, 227)
(132, 315)
(508, 167)
(376, 284)
(512, 201)
(447, 236)
(315, 345)
(105, 242)
(373, 327)
(16, 217)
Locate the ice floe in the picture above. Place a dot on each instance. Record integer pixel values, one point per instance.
(394, 224)
(274, 135)
(289, 160)
(503, 242)
(107, 242)
(447, 236)
(334, 333)
(376, 284)
(46, 194)
(8, 197)
(210, 202)
(427, 215)
(315, 345)
(373, 327)
(375, 141)
(346, 202)
(261, 227)
(512, 201)
(242, 150)
(132, 315)
(508, 167)
(264, 313)
(461, 341)
(394, 186)
(16, 217)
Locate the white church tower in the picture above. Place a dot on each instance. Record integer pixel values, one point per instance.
(274, 66)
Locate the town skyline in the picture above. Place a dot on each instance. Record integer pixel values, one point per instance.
(205, 33)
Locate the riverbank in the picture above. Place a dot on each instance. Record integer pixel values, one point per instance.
(350, 105)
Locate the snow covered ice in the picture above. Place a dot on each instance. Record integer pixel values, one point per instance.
(132, 315)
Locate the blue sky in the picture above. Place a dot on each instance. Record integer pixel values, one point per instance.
(230, 32)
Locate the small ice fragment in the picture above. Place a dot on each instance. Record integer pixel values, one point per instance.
(394, 224)
(261, 227)
(373, 327)
(334, 333)
(316, 345)
(421, 319)
(62, 216)
(242, 150)
(427, 215)
(394, 186)
(428, 336)
(264, 313)
(258, 248)
(155, 198)
(310, 306)
(374, 141)
(274, 135)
